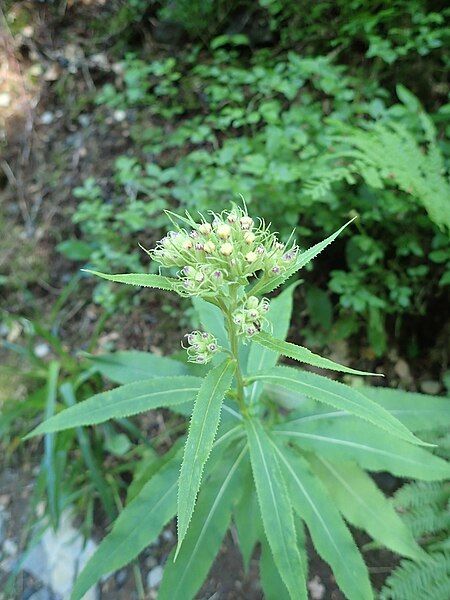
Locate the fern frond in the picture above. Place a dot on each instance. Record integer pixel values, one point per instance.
(430, 580)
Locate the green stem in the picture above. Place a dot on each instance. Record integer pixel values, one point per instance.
(234, 347)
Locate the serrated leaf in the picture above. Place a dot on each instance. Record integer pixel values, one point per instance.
(303, 354)
(264, 287)
(183, 577)
(331, 537)
(276, 510)
(278, 319)
(338, 395)
(247, 520)
(272, 584)
(365, 506)
(371, 448)
(124, 401)
(159, 282)
(419, 412)
(137, 526)
(132, 365)
(202, 431)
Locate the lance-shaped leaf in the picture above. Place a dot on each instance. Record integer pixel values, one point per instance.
(132, 365)
(124, 401)
(331, 537)
(276, 510)
(364, 505)
(278, 319)
(371, 448)
(338, 395)
(248, 522)
(266, 286)
(137, 526)
(202, 431)
(419, 412)
(159, 282)
(302, 354)
(209, 524)
(271, 582)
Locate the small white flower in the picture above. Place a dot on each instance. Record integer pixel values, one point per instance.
(187, 245)
(251, 257)
(249, 237)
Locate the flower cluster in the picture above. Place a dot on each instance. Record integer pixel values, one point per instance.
(228, 250)
(202, 346)
(250, 316)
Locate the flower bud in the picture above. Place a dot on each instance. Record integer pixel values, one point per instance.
(209, 247)
(226, 249)
(246, 223)
(223, 231)
(187, 245)
(249, 237)
(251, 257)
(205, 228)
(252, 302)
(232, 217)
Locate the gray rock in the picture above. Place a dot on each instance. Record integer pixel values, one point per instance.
(154, 577)
(59, 557)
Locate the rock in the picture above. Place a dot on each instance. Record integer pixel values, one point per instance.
(3, 521)
(430, 387)
(154, 577)
(42, 594)
(10, 547)
(316, 588)
(59, 557)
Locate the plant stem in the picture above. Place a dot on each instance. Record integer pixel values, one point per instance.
(234, 347)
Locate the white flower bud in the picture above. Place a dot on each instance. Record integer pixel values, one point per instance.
(252, 302)
(226, 249)
(209, 247)
(249, 237)
(187, 245)
(246, 222)
(223, 231)
(205, 228)
(232, 217)
(251, 257)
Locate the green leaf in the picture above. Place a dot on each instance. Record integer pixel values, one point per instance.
(137, 526)
(264, 287)
(276, 510)
(131, 365)
(140, 279)
(338, 395)
(49, 461)
(202, 431)
(368, 446)
(94, 468)
(248, 521)
(211, 318)
(419, 412)
(365, 506)
(278, 319)
(126, 400)
(302, 354)
(210, 521)
(331, 537)
(271, 582)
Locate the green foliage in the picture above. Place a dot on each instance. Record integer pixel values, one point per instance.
(424, 508)
(279, 457)
(269, 126)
